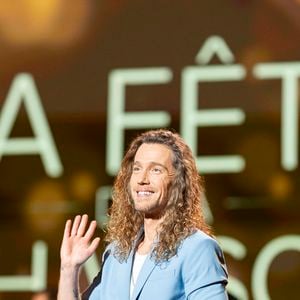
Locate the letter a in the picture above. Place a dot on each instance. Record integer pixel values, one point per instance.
(23, 87)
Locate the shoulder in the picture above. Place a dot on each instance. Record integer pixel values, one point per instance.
(201, 247)
(201, 241)
(109, 249)
(202, 261)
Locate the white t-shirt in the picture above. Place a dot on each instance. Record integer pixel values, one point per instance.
(138, 262)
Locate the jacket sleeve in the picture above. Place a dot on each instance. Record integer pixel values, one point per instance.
(205, 274)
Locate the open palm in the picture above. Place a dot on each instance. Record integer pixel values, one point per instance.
(77, 245)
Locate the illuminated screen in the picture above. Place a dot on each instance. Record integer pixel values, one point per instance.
(78, 82)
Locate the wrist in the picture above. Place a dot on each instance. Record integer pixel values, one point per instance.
(69, 268)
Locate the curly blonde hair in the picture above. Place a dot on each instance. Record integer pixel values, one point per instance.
(185, 191)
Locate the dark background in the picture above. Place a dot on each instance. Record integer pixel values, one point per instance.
(70, 47)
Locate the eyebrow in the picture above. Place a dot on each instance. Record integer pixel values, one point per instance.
(152, 163)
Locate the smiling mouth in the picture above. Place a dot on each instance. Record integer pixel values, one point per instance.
(144, 193)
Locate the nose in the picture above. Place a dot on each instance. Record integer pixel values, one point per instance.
(143, 178)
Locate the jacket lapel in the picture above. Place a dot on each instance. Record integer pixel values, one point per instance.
(124, 272)
(144, 274)
(125, 268)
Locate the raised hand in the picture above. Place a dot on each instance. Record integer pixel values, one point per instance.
(77, 245)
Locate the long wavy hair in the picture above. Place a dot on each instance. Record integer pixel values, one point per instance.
(181, 219)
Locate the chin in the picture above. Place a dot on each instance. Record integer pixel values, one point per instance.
(141, 208)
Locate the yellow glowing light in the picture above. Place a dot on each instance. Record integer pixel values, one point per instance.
(280, 186)
(50, 22)
(83, 186)
(46, 206)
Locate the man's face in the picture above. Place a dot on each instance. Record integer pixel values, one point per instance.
(151, 175)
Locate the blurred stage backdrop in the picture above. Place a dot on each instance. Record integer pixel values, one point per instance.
(80, 78)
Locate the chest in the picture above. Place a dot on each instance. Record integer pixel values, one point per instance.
(154, 281)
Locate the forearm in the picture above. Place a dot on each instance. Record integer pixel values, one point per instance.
(68, 287)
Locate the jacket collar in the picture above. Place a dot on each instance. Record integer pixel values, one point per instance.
(144, 274)
(126, 268)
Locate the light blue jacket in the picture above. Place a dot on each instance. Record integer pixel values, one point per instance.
(197, 272)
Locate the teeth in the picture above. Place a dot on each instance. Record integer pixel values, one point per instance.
(144, 193)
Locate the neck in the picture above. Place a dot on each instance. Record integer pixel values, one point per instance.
(151, 230)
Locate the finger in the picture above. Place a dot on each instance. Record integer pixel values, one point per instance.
(67, 230)
(75, 225)
(91, 230)
(82, 225)
(93, 246)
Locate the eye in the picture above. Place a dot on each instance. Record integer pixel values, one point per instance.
(136, 169)
(156, 170)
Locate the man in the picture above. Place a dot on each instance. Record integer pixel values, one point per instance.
(159, 244)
